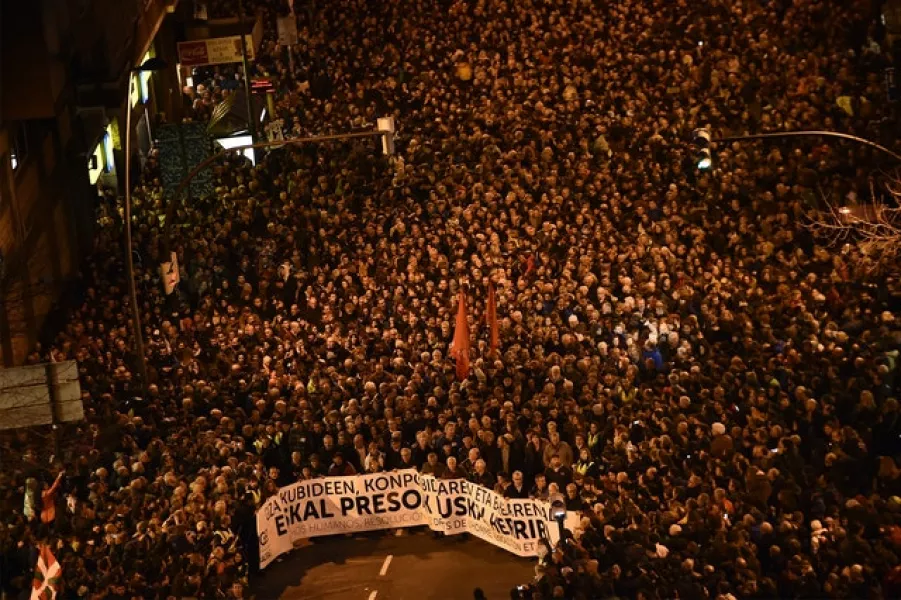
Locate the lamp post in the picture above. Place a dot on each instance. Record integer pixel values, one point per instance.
(251, 124)
(151, 64)
(702, 139)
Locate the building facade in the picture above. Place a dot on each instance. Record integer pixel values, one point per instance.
(66, 82)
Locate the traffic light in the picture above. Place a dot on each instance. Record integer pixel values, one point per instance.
(386, 125)
(703, 156)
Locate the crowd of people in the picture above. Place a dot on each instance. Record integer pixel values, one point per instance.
(711, 386)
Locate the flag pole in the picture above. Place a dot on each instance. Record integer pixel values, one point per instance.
(493, 333)
(462, 339)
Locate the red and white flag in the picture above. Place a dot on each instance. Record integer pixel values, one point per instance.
(462, 342)
(47, 576)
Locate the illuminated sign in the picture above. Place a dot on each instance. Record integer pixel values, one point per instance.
(262, 86)
(215, 51)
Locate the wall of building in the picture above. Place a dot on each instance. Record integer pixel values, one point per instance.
(51, 51)
(36, 235)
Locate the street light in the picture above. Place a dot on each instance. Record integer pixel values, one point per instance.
(151, 64)
(702, 139)
(245, 65)
(703, 157)
(386, 125)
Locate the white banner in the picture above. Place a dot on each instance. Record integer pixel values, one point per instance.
(334, 505)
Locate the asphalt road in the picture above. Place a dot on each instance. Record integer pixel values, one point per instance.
(412, 567)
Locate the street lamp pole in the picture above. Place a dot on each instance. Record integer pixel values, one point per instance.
(129, 259)
(810, 133)
(152, 64)
(251, 125)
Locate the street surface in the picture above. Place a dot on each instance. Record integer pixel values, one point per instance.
(412, 567)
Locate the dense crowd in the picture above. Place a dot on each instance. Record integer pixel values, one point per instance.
(711, 386)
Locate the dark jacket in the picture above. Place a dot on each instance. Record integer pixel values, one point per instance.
(486, 479)
(512, 492)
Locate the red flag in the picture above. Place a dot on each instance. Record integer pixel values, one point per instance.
(462, 343)
(492, 319)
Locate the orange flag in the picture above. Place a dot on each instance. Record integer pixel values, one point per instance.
(462, 343)
(492, 319)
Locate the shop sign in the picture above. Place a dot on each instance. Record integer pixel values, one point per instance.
(214, 51)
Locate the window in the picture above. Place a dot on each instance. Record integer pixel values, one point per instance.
(140, 84)
(110, 159)
(19, 151)
(134, 89)
(144, 79)
(145, 86)
(96, 164)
